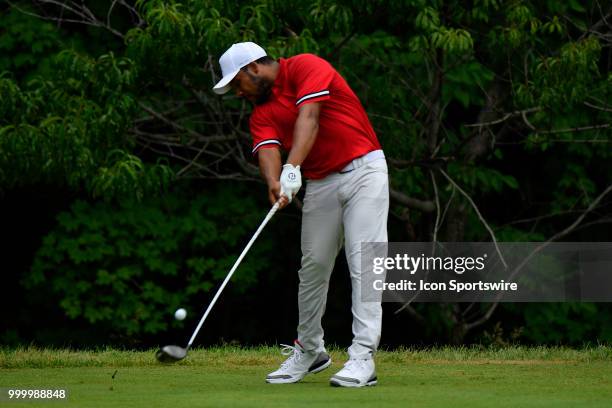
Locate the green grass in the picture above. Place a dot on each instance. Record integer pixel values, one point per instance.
(233, 377)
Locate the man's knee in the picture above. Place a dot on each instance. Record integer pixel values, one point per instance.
(315, 266)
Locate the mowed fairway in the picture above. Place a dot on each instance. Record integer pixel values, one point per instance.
(232, 377)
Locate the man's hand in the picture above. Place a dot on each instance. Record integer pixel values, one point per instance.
(274, 195)
(290, 181)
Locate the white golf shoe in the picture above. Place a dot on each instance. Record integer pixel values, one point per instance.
(298, 365)
(356, 373)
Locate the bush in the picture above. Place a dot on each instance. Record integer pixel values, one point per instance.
(129, 266)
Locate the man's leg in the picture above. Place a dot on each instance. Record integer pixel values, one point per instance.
(366, 207)
(321, 241)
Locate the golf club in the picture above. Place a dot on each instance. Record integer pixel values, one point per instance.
(170, 354)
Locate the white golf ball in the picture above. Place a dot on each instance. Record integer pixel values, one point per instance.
(180, 314)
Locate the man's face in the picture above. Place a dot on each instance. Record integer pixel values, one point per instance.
(250, 86)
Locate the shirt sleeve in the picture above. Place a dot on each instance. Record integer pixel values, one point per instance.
(263, 133)
(311, 76)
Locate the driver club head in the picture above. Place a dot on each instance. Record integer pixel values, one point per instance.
(170, 354)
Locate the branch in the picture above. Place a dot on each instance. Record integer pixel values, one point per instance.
(341, 44)
(484, 222)
(437, 223)
(211, 174)
(590, 105)
(110, 11)
(431, 163)
(555, 237)
(190, 132)
(87, 17)
(448, 203)
(434, 118)
(245, 163)
(527, 122)
(600, 23)
(133, 12)
(596, 222)
(506, 117)
(406, 306)
(401, 198)
(574, 129)
(412, 312)
(539, 218)
(192, 163)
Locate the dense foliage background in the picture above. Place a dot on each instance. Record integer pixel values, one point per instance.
(127, 187)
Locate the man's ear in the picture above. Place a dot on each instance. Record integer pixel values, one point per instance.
(253, 67)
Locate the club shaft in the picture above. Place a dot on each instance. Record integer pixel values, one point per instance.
(229, 275)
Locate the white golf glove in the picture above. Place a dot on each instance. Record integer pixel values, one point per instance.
(290, 181)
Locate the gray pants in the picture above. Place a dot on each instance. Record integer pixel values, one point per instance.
(350, 207)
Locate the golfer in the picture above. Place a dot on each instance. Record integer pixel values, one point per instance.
(304, 107)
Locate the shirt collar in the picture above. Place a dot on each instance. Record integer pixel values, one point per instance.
(279, 82)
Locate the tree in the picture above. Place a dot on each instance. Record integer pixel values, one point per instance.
(475, 104)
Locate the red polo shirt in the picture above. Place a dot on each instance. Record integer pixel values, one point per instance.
(345, 132)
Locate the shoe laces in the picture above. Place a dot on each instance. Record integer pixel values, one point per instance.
(292, 351)
(355, 364)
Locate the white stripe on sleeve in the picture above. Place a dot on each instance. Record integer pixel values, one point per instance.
(265, 142)
(312, 95)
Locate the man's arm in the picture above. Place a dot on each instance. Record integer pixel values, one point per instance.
(304, 133)
(269, 168)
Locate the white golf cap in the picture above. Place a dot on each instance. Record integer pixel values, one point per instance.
(236, 57)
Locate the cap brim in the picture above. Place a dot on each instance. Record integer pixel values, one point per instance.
(223, 86)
